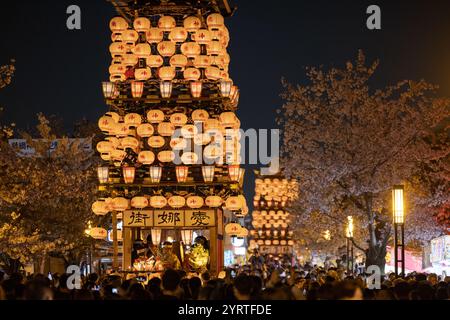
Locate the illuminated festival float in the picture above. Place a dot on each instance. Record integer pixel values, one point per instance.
(171, 174)
(272, 231)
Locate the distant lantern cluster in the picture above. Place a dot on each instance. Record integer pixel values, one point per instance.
(271, 222)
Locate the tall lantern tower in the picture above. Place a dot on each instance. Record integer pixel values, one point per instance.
(171, 150)
(272, 231)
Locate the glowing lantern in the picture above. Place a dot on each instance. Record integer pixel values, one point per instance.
(137, 89)
(142, 50)
(213, 201)
(189, 158)
(103, 174)
(290, 242)
(398, 204)
(158, 202)
(234, 95)
(166, 129)
(156, 142)
(215, 20)
(228, 119)
(176, 202)
(191, 74)
(155, 116)
(167, 23)
(129, 174)
(196, 89)
(154, 35)
(133, 119)
(142, 24)
(166, 156)
(142, 74)
(98, 233)
(129, 143)
(178, 119)
(167, 73)
(106, 156)
(100, 208)
(233, 229)
(155, 174)
(186, 236)
(189, 131)
(200, 115)
(178, 34)
(108, 89)
(202, 139)
(120, 204)
(117, 72)
(166, 48)
(194, 202)
(130, 37)
(182, 173)
(243, 233)
(146, 157)
(118, 155)
(166, 89)
(214, 48)
(233, 203)
(179, 61)
(225, 88)
(118, 24)
(233, 172)
(213, 73)
(202, 61)
(139, 202)
(202, 36)
(192, 24)
(145, 130)
(154, 61)
(130, 60)
(104, 147)
(178, 143)
(208, 173)
(212, 152)
(190, 49)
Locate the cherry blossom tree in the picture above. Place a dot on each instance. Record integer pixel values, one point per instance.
(348, 144)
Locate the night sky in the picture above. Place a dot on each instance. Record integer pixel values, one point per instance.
(60, 71)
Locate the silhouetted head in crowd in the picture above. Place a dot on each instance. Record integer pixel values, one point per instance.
(170, 281)
(347, 290)
(242, 287)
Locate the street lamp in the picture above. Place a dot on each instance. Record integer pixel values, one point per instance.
(398, 212)
(349, 236)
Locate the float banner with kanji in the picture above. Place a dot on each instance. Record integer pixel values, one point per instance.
(169, 218)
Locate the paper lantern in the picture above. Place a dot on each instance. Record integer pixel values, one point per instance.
(194, 202)
(178, 143)
(192, 24)
(166, 89)
(196, 89)
(105, 156)
(189, 158)
(120, 204)
(130, 37)
(189, 131)
(178, 34)
(154, 35)
(243, 233)
(228, 119)
(100, 208)
(225, 88)
(200, 115)
(214, 48)
(166, 156)
(137, 89)
(176, 202)
(156, 142)
(215, 20)
(167, 23)
(182, 173)
(232, 229)
(104, 147)
(132, 119)
(142, 74)
(142, 24)
(233, 203)
(98, 233)
(202, 139)
(190, 49)
(167, 73)
(118, 24)
(178, 119)
(116, 36)
(166, 129)
(108, 89)
(290, 242)
(186, 236)
(130, 60)
(142, 50)
(155, 174)
(129, 174)
(213, 201)
(233, 172)
(202, 61)
(208, 173)
(212, 152)
(145, 130)
(158, 202)
(166, 48)
(202, 36)
(146, 157)
(191, 74)
(118, 155)
(139, 202)
(130, 143)
(154, 61)
(103, 174)
(155, 116)
(213, 73)
(117, 70)
(179, 61)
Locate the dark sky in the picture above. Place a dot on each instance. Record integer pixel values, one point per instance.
(60, 71)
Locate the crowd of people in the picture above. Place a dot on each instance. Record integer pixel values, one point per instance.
(248, 282)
